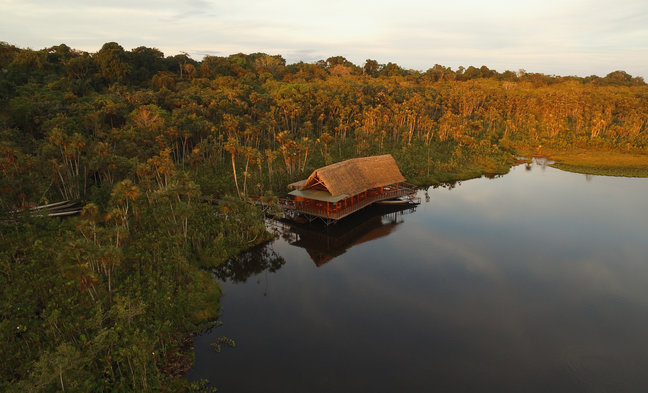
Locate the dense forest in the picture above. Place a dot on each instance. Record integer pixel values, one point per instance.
(162, 153)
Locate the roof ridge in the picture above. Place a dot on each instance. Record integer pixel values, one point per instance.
(355, 175)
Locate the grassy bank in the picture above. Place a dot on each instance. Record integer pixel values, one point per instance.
(608, 163)
(595, 161)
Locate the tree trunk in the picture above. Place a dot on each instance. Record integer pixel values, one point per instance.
(238, 192)
(245, 176)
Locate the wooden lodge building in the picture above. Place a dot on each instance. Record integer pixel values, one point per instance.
(337, 190)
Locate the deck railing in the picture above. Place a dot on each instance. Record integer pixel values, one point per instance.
(336, 214)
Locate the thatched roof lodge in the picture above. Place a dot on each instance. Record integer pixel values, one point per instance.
(339, 189)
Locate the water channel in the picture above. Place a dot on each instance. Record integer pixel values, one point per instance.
(536, 281)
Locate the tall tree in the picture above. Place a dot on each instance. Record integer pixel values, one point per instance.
(112, 61)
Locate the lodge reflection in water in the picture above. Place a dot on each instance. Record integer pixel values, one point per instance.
(322, 243)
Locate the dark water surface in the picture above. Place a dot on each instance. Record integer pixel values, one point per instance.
(536, 281)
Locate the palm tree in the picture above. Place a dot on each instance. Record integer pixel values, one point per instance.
(232, 146)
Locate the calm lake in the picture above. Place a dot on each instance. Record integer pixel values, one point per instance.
(536, 281)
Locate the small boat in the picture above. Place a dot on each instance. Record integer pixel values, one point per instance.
(397, 201)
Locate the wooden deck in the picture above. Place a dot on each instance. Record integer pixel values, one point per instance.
(329, 213)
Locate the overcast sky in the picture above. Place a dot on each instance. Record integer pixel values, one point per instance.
(548, 36)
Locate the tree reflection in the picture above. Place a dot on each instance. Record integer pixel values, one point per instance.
(249, 263)
(449, 185)
(322, 243)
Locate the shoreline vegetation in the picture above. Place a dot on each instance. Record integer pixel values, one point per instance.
(105, 301)
(604, 163)
(593, 161)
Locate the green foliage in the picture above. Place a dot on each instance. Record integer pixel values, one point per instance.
(111, 60)
(100, 302)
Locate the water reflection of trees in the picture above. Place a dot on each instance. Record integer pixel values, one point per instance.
(449, 185)
(249, 263)
(322, 243)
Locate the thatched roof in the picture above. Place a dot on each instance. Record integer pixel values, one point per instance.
(354, 176)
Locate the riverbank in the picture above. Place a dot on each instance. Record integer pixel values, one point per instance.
(594, 161)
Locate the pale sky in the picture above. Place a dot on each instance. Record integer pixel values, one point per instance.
(568, 37)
